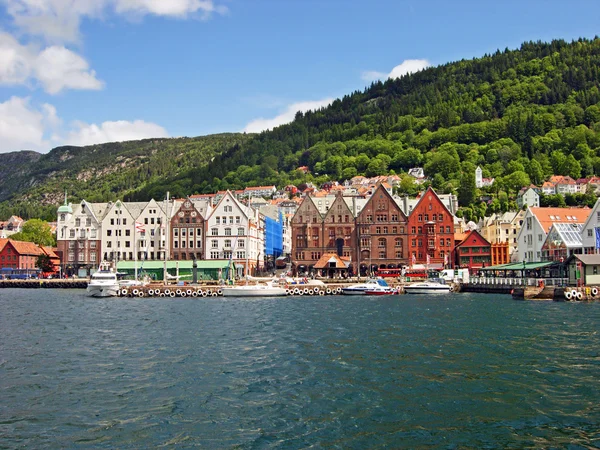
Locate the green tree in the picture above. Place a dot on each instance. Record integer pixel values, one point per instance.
(467, 189)
(37, 231)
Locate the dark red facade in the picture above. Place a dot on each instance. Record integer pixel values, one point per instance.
(430, 232)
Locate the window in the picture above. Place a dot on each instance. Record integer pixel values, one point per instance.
(108, 233)
(215, 231)
(377, 230)
(420, 217)
(227, 243)
(227, 231)
(88, 222)
(214, 243)
(238, 220)
(218, 220)
(398, 243)
(590, 234)
(240, 232)
(448, 229)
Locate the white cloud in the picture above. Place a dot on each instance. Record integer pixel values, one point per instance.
(118, 131)
(407, 66)
(59, 20)
(23, 127)
(286, 116)
(56, 67)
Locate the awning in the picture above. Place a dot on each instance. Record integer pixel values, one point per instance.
(519, 266)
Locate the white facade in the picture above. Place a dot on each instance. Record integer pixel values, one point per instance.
(531, 238)
(233, 232)
(588, 233)
(117, 233)
(530, 198)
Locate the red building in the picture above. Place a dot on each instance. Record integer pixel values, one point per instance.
(18, 254)
(322, 225)
(473, 252)
(381, 227)
(430, 232)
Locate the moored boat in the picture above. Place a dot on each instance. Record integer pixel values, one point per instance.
(255, 290)
(103, 283)
(427, 287)
(382, 290)
(361, 288)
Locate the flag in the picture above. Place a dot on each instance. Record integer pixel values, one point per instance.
(414, 259)
(140, 227)
(597, 237)
(428, 260)
(445, 260)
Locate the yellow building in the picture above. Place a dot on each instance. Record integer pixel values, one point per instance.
(504, 228)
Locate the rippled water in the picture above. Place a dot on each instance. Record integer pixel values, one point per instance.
(459, 371)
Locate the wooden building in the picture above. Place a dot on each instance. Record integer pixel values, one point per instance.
(381, 234)
(430, 231)
(473, 252)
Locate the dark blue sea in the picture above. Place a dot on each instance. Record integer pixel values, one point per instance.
(451, 372)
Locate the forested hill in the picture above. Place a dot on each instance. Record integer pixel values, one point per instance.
(33, 185)
(522, 115)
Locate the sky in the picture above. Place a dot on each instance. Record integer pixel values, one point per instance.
(80, 72)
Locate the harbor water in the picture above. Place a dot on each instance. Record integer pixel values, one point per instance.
(449, 371)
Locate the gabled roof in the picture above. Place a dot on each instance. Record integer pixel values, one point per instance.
(422, 195)
(548, 216)
(327, 259)
(26, 248)
(50, 252)
(593, 215)
(3, 242)
(472, 234)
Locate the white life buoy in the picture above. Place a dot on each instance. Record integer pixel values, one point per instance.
(123, 292)
(328, 291)
(172, 295)
(150, 292)
(135, 292)
(594, 291)
(321, 292)
(141, 294)
(194, 293)
(568, 295)
(219, 292)
(214, 294)
(579, 295)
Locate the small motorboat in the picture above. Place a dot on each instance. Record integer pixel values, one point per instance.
(381, 290)
(427, 287)
(360, 289)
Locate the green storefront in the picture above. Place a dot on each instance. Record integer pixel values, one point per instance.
(207, 270)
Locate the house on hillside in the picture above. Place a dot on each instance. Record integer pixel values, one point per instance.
(528, 196)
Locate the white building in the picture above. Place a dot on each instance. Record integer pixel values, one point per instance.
(588, 233)
(234, 232)
(529, 197)
(537, 224)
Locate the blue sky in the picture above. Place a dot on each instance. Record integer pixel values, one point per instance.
(89, 71)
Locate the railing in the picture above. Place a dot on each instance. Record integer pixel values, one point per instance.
(486, 281)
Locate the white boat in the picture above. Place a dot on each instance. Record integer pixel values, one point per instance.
(360, 289)
(381, 290)
(103, 283)
(254, 290)
(427, 287)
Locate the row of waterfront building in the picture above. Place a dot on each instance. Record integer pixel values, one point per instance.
(365, 228)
